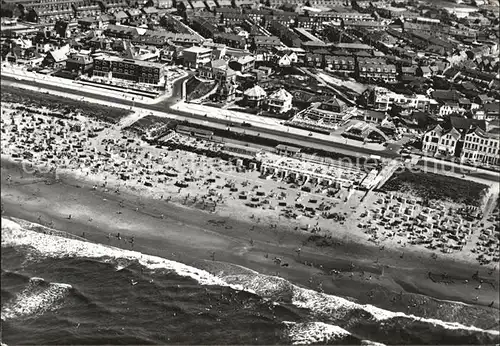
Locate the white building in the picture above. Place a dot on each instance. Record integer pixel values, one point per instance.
(448, 108)
(481, 147)
(195, 57)
(280, 101)
(383, 99)
(285, 58)
(439, 141)
(255, 96)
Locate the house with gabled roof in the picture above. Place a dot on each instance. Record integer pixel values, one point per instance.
(217, 70)
(255, 96)
(226, 91)
(424, 71)
(243, 64)
(232, 40)
(492, 110)
(57, 58)
(285, 57)
(223, 3)
(26, 56)
(481, 147)
(280, 101)
(371, 116)
(150, 12)
(265, 43)
(121, 17)
(438, 141)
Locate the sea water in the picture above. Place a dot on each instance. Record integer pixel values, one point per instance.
(62, 290)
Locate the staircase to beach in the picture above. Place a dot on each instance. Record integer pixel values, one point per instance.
(130, 119)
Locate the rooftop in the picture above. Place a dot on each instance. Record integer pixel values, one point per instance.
(353, 46)
(287, 148)
(197, 50)
(256, 91)
(281, 94)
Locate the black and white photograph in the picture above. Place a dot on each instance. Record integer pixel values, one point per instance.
(250, 172)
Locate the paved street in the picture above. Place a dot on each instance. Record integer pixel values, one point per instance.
(264, 127)
(298, 137)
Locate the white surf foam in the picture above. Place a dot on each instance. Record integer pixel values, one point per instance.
(371, 343)
(36, 299)
(321, 304)
(314, 333)
(329, 306)
(13, 234)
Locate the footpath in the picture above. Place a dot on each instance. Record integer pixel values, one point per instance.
(272, 123)
(23, 74)
(200, 110)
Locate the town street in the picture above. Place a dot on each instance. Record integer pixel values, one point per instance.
(224, 119)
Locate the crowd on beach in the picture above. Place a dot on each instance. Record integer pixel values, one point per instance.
(114, 158)
(437, 225)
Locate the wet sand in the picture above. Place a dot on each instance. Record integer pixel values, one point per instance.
(190, 236)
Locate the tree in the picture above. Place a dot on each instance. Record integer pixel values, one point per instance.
(442, 84)
(6, 12)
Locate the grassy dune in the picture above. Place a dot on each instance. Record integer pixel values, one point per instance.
(64, 105)
(432, 186)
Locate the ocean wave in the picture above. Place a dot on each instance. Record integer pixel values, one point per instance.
(315, 333)
(13, 234)
(13, 275)
(37, 298)
(325, 307)
(331, 307)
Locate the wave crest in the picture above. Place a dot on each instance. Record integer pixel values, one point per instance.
(13, 234)
(36, 299)
(330, 308)
(315, 333)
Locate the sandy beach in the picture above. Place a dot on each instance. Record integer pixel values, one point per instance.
(195, 215)
(189, 236)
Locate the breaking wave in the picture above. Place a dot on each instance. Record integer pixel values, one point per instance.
(316, 333)
(36, 299)
(336, 318)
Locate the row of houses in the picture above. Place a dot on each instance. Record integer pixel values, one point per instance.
(212, 5)
(468, 139)
(47, 11)
(308, 20)
(124, 10)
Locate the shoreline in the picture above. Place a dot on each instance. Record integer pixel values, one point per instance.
(185, 235)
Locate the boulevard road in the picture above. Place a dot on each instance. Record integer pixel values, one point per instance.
(163, 109)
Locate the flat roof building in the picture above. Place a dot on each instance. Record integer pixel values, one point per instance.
(129, 69)
(287, 150)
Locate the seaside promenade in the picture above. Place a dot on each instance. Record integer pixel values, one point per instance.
(226, 119)
(203, 115)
